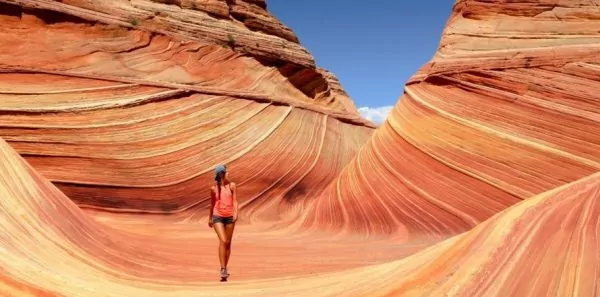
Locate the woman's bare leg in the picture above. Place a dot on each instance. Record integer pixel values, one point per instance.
(223, 243)
(229, 236)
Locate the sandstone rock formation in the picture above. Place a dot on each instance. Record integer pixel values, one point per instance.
(134, 119)
(484, 181)
(543, 246)
(552, 236)
(508, 108)
(184, 30)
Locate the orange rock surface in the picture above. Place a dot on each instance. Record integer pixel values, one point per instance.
(484, 180)
(547, 245)
(136, 120)
(508, 108)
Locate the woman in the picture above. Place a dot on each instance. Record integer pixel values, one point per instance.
(223, 214)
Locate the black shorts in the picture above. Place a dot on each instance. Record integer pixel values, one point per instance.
(223, 220)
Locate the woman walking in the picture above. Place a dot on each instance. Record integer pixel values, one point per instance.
(223, 215)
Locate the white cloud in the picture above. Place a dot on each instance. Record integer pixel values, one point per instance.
(375, 114)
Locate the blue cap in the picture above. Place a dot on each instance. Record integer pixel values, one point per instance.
(220, 170)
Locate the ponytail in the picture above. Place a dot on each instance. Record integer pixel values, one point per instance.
(218, 180)
(219, 171)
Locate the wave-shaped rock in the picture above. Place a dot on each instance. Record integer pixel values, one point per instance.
(147, 255)
(484, 181)
(508, 108)
(552, 237)
(134, 119)
(183, 42)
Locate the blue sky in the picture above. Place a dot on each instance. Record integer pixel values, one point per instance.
(372, 48)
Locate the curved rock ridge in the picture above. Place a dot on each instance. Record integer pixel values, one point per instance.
(186, 44)
(547, 245)
(146, 255)
(494, 35)
(553, 236)
(252, 13)
(508, 108)
(135, 120)
(132, 147)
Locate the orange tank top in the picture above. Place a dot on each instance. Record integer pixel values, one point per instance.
(224, 202)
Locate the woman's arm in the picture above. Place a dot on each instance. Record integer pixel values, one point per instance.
(212, 205)
(235, 202)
